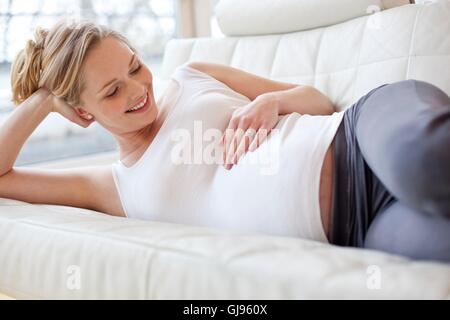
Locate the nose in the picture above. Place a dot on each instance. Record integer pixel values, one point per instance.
(139, 90)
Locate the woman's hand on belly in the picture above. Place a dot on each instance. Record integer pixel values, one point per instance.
(248, 128)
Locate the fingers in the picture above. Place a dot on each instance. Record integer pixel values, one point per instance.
(68, 112)
(245, 131)
(259, 138)
(72, 116)
(237, 143)
(230, 147)
(243, 141)
(243, 144)
(227, 139)
(233, 146)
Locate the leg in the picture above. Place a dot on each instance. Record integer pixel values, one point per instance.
(403, 132)
(399, 229)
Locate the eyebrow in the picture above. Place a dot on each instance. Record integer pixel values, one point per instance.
(114, 80)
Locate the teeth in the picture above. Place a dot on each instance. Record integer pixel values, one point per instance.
(140, 105)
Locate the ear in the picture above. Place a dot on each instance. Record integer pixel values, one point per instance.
(83, 113)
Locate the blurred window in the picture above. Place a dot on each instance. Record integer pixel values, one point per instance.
(149, 24)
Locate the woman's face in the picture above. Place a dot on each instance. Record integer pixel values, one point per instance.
(116, 80)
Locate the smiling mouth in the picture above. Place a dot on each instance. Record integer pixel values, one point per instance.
(140, 106)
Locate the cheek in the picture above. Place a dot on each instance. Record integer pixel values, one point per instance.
(114, 108)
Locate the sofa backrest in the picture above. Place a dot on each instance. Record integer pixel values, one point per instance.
(344, 60)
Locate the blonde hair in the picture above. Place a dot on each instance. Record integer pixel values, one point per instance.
(54, 60)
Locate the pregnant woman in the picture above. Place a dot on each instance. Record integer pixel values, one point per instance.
(375, 176)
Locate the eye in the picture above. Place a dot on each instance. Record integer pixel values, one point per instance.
(136, 70)
(113, 93)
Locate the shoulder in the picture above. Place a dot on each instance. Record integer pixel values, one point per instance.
(190, 71)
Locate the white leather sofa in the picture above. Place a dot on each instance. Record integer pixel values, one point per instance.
(49, 251)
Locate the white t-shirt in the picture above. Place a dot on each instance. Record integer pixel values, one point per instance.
(180, 177)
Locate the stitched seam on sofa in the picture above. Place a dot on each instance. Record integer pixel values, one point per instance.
(359, 59)
(215, 233)
(274, 57)
(147, 245)
(331, 72)
(99, 217)
(192, 43)
(362, 65)
(317, 56)
(236, 43)
(411, 44)
(233, 52)
(183, 251)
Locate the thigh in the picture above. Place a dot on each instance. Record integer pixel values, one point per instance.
(400, 229)
(403, 132)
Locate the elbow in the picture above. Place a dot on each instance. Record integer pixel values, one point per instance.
(326, 107)
(5, 172)
(329, 108)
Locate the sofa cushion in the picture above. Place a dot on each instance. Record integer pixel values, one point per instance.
(60, 252)
(254, 17)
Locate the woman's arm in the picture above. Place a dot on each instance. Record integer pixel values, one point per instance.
(82, 187)
(24, 120)
(19, 126)
(301, 99)
(78, 187)
(292, 97)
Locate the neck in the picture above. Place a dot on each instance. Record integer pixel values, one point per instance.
(132, 145)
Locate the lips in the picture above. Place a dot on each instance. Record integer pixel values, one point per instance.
(143, 104)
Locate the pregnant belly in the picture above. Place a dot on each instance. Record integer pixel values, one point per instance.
(325, 190)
